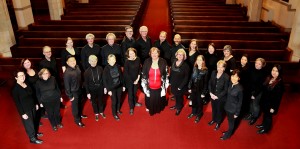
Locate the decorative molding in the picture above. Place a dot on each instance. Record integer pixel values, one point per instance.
(289, 6)
(20, 9)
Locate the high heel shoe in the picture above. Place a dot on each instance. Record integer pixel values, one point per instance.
(211, 122)
(217, 127)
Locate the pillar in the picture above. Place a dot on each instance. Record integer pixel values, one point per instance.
(254, 10)
(55, 9)
(7, 37)
(23, 13)
(294, 42)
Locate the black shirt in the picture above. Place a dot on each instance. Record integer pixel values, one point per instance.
(23, 98)
(114, 49)
(191, 59)
(234, 99)
(230, 65)
(174, 49)
(112, 77)
(132, 69)
(47, 90)
(219, 86)
(199, 81)
(65, 54)
(86, 52)
(257, 78)
(179, 77)
(126, 43)
(50, 65)
(93, 78)
(143, 48)
(211, 61)
(165, 49)
(72, 81)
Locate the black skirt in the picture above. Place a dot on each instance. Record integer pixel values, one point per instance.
(155, 103)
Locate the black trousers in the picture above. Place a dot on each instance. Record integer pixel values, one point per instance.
(116, 100)
(75, 110)
(255, 106)
(132, 90)
(231, 124)
(52, 109)
(197, 106)
(30, 123)
(179, 101)
(97, 100)
(267, 120)
(217, 110)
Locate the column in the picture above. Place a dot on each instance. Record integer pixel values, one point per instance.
(23, 13)
(83, 1)
(254, 10)
(55, 9)
(294, 42)
(7, 37)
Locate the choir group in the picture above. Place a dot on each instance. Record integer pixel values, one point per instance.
(237, 88)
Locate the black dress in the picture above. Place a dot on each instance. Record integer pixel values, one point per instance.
(65, 54)
(231, 65)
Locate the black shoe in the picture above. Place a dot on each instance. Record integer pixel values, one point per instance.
(116, 117)
(120, 112)
(173, 108)
(262, 131)
(259, 126)
(211, 122)
(190, 116)
(252, 121)
(39, 134)
(224, 137)
(137, 104)
(83, 116)
(177, 112)
(224, 132)
(217, 127)
(103, 115)
(60, 125)
(248, 117)
(80, 124)
(97, 118)
(197, 119)
(54, 128)
(36, 141)
(131, 111)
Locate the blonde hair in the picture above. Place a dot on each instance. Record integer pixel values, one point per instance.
(42, 71)
(153, 49)
(263, 61)
(46, 48)
(203, 67)
(228, 47)
(177, 35)
(181, 51)
(93, 57)
(111, 35)
(222, 62)
(89, 35)
(143, 28)
(111, 56)
(163, 32)
(128, 27)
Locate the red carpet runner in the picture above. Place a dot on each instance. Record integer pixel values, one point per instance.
(141, 131)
